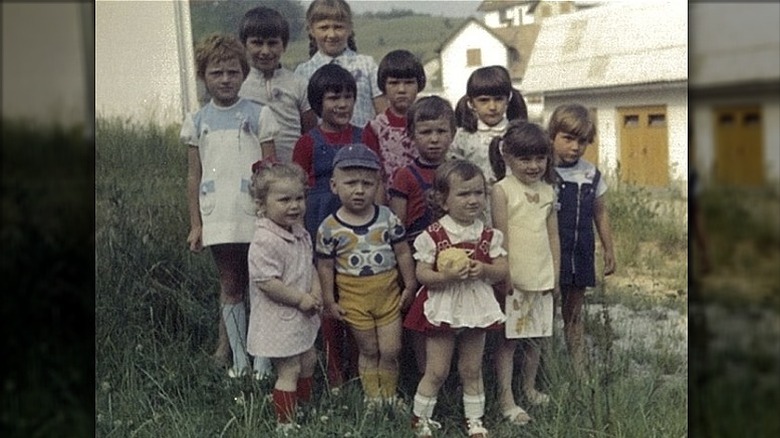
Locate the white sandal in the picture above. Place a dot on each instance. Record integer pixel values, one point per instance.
(537, 398)
(516, 416)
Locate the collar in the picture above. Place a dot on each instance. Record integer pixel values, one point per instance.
(499, 128)
(326, 59)
(256, 72)
(297, 232)
(467, 231)
(418, 161)
(567, 165)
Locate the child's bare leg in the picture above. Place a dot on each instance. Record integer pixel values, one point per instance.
(572, 300)
(368, 361)
(418, 346)
(531, 356)
(504, 357)
(438, 350)
(389, 337)
(222, 352)
(472, 347)
(233, 279)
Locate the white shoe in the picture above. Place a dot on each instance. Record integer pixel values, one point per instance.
(537, 398)
(422, 427)
(287, 429)
(475, 429)
(235, 373)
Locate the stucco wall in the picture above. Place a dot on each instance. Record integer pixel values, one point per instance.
(455, 72)
(143, 60)
(607, 103)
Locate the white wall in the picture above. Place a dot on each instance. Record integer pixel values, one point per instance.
(45, 66)
(517, 15)
(455, 73)
(606, 104)
(143, 61)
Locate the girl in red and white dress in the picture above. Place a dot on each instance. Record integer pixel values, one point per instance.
(456, 305)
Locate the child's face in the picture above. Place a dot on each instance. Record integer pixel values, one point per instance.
(264, 53)
(490, 109)
(568, 148)
(433, 139)
(331, 36)
(223, 80)
(466, 200)
(285, 204)
(337, 110)
(356, 187)
(400, 93)
(528, 169)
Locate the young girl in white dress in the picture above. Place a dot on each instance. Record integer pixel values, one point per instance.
(523, 208)
(223, 139)
(456, 303)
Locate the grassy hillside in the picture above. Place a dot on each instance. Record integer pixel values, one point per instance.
(420, 34)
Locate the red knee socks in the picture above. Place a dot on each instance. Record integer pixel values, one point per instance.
(284, 405)
(303, 391)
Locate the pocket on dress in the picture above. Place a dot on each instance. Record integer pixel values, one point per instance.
(288, 313)
(247, 203)
(208, 199)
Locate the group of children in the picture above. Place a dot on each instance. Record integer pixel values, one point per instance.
(355, 213)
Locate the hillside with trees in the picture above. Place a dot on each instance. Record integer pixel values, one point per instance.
(376, 33)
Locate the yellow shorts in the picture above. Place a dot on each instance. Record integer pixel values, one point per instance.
(369, 302)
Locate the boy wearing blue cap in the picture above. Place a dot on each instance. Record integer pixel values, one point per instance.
(360, 251)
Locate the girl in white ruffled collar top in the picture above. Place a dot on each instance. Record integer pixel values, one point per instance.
(484, 112)
(456, 304)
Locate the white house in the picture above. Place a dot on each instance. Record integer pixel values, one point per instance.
(505, 36)
(473, 45)
(504, 13)
(735, 93)
(144, 67)
(628, 63)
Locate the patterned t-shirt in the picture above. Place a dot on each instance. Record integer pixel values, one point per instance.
(361, 250)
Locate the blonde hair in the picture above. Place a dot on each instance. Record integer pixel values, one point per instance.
(216, 48)
(269, 173)
(337, 10)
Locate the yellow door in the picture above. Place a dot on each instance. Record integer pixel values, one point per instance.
(592, 152)
(739, 156)
(644, 146)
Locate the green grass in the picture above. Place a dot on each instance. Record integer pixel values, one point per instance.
(155, 310)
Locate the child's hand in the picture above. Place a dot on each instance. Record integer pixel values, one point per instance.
(407, 296)
(457, 274)
(195, 239)
(309, 303)
(476, 269)
(609, 263)
(504, 288)
(334, 311)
